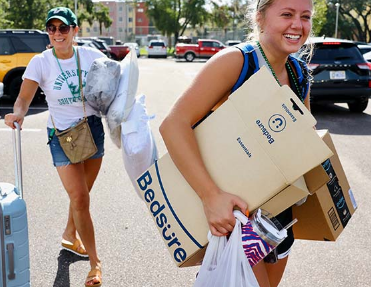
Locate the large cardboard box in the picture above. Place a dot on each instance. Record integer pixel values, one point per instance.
(257, 144)
(326, 213)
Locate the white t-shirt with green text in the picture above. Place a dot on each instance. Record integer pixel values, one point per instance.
(62, 88)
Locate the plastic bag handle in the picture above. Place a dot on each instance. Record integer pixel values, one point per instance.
(240, 216)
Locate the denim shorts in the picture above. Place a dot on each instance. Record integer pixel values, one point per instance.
(96, 127)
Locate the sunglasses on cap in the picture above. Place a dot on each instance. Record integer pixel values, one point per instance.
(64, 29)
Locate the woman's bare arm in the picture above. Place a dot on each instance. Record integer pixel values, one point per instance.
(21, 105)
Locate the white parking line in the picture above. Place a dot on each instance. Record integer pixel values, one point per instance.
(23, 130)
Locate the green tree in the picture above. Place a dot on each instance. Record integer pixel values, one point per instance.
(85, 8)
(31, 14)
(354, 20)
(27, 14)
(4, 6)
(220, 15)
(319, 18)
(101, 14)
(227, 16)
(173, 16)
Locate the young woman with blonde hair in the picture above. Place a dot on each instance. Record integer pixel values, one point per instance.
(283, 26)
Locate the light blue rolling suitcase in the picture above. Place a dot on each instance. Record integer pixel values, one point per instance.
(14, 246)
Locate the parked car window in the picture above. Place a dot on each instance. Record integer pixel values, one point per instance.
(157, 44)
(330, 53)
(5, 47)
(29, 43)
(207, 44)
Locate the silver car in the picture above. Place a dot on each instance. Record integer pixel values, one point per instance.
(157, 48)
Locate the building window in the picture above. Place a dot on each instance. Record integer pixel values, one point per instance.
(120, 8)
(130, 9)
(95, 29)
(87, 30)
(120, 19)
(120, 30)
(130, 30)
(139, 20)
(130, 19)
(140, 10)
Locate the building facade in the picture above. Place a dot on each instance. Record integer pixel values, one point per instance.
(129, 22)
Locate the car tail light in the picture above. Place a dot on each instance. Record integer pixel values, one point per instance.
(150, 47)
(364, 66)
(369, 83)
(331, 43)
(313, 66)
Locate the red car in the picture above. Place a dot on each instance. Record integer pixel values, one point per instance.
(204, 49)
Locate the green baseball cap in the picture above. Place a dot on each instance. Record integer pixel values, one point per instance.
(62, 13)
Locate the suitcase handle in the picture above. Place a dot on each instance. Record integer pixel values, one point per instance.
(18, 159)
(10, 248)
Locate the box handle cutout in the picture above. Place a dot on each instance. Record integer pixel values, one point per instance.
(296, 107)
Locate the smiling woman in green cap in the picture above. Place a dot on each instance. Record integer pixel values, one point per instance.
(57, 72)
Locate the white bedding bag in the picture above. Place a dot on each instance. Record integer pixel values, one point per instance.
(139, 149)
(124, 100)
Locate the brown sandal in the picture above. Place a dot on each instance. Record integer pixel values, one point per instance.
(77, 247)
(95, 277)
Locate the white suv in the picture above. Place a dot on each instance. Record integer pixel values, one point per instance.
(157, 48)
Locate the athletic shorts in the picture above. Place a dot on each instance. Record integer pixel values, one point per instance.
(96, 127)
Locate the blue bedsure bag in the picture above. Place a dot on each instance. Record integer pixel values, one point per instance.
(14, 246)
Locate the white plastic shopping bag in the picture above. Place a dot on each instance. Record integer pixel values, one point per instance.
(139, 149)
(225, 263)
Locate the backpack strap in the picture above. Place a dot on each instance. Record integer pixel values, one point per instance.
(250, 66)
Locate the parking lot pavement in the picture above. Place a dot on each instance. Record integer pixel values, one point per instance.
(129, 245)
